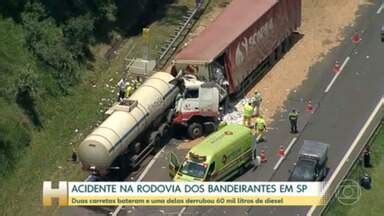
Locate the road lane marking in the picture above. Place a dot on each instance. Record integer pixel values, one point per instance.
(142, 175)
(380, 8)
(182, 211)
(285, 153)
(349, 152)
(337, 74)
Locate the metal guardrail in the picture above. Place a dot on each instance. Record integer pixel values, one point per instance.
(356, 163)
(179, 35)
(366, 133)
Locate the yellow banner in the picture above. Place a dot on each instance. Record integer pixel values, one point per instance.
(196, 201)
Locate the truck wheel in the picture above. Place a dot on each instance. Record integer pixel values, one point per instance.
(242, 169)
(195, 130)
(137, 148)
(210, 127)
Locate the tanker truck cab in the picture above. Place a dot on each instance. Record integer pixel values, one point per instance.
(198, 108)
(221, 156)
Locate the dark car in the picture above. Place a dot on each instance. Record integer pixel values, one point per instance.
(311, 162)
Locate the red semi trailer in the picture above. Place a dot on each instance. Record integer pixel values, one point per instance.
(243, 42)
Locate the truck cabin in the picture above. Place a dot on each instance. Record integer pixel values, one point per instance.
(195, 168)
(204, 71)
(192, 86)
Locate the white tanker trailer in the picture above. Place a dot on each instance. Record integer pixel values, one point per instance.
(133, 129)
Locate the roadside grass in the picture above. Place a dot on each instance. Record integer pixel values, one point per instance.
(371, 201)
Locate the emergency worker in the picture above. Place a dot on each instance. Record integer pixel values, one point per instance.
(129, 90)
(247, 114)
(260, 128)
(256, 102)
(293, 117)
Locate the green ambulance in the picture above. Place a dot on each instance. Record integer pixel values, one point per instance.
(219, 157)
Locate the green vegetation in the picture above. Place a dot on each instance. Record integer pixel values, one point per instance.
(45, 53)
(371, 201)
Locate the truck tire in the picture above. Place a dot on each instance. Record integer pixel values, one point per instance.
(137, 147)
(195, 130)
(210, 127)
(242, 170)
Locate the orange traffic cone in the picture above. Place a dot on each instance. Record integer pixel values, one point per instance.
(263, 158)
(281, 152)
(336, 67)
(356, 38)
(309, 106)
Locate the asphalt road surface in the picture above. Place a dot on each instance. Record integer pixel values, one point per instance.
(342, 104)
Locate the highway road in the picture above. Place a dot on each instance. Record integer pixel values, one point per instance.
(343, 102)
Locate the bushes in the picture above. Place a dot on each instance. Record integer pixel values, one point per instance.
(46, 40)
(17, 67)
(14, 136)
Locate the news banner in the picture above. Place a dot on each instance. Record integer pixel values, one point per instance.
(184, 194)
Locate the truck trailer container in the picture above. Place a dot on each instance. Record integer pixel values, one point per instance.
(133, 129)
(247, 38)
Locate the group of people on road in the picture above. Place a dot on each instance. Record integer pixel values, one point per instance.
(252, 109)
(126, 88)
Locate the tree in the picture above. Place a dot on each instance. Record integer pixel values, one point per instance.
(47, 42)
(78, 33)
(18, 72)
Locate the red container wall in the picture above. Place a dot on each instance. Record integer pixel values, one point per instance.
(260, 40)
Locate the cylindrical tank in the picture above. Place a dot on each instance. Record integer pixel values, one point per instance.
(122, 127)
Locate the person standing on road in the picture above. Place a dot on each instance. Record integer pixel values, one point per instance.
(256, 102)
(122, 84)
(293, 117)
(260, 127)
(247, 114)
